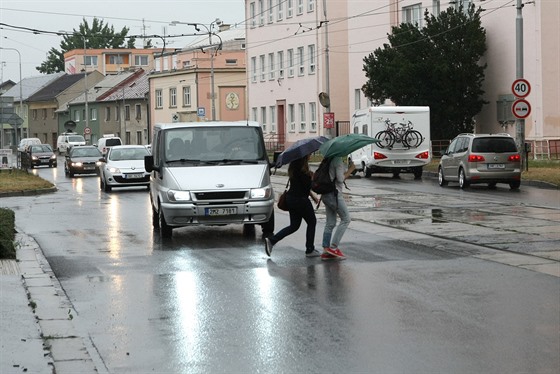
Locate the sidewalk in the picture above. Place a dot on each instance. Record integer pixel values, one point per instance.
(37, 330)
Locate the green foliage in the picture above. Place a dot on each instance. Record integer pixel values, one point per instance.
(98, 36)
(438, 66)
(7, 233)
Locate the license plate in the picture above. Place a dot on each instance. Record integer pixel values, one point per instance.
(220, 211)
(133, 176)
(89, 167)
(44, 161)
(496, 166)
(400, 162)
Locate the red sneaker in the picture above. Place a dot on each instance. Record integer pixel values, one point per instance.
(335, 252)
(325, 256)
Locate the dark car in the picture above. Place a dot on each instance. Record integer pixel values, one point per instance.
(39, 155)
(84, 159)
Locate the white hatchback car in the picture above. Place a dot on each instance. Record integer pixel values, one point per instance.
(123, 166)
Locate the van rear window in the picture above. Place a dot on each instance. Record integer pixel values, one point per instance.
(112, 142)
(494, 145)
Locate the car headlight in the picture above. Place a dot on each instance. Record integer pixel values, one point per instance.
(114, 170)
(78, 164)
(98, 163)
(34, 158)
(53, 157)
(261, 193)
(179, 195)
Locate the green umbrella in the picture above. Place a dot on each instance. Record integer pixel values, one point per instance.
(345, 144)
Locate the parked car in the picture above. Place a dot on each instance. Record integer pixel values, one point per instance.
(83, 159)
(123, 166)
(25, 142)
(68, 140)
(39, 155)
(481, 158)
(108, 141)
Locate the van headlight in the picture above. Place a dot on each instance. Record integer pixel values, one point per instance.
(179, 196)
(114, 170)
(261, 193)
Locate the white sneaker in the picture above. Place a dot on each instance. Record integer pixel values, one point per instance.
(315, 253)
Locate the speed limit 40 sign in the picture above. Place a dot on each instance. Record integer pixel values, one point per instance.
(521, 88)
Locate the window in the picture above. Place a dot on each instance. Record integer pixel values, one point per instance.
(263, 117)
(272, 111)
(174, 62)
(435, 7)
(93, 114)
(173, 97)
(90, 60)
(299, 7)
(127, 112)
(280, 63)
(187, 96)
(271, 73)
(310, 5)
(138, 112)
(311, 52)
(254, 114)
(290, 10)
(76, 116)
(34, 114)
(280, 10)
(117, 113)
(231, 61)
(141, 60)
(290, 63)
(302, 118)
(186, 64)
(84, 114)
(270, 11)
(413, 15)
(53, 114)
(116, 59)
(357, 98)
(159, 99)
(252, 14)
(301, 69)
(253, 69)
(313, 116)
(44, 113)
(138, 137)
(261, 13)
(292, 117)
(107, 113)
(263, 67)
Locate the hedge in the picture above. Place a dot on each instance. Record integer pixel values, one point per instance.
(7, 234)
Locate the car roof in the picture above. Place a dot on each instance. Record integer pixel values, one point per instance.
(164, 126)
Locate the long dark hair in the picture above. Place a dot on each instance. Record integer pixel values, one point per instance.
(301, 165)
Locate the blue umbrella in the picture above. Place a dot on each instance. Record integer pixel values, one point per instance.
(299, 149)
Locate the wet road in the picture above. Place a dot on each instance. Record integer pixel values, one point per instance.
(437, 280)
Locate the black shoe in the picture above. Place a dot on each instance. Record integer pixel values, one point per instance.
(267, 246)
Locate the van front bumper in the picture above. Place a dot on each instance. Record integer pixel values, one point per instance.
(184, 214)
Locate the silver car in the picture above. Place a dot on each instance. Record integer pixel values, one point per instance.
(481, 158)
(123, 166)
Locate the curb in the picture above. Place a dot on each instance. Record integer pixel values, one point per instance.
(28, 192)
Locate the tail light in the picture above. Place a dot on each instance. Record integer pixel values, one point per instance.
(514, 158)
(423, 155)
(476, 158)
(378, 156)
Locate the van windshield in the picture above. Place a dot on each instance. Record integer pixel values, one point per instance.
(76, 138)
(214, 144)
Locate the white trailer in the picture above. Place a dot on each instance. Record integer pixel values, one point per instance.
(404, 132)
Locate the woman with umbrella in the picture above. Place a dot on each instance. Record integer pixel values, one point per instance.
(297, 197)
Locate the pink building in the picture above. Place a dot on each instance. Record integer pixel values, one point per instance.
(293, 55)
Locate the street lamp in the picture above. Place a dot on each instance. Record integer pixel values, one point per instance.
(20, 89)
(209, 31)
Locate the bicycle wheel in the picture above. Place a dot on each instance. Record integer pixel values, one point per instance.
(412, 139)
(387, 139)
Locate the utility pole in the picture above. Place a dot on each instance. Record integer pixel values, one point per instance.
(520, 122)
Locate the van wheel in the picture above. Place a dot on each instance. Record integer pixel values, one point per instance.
(164, 228)
(106, 187)
(514, 185)
(441, 179)
(248, 229)
(463, 183)
(155, 219)
(268, 227)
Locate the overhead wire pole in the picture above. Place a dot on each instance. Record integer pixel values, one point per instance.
(327, 62)
(520, 122)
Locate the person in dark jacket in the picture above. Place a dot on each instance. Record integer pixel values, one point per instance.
(299, 207)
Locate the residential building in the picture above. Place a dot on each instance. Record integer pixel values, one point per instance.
(297, 49)
(109, 61)
(203, 81)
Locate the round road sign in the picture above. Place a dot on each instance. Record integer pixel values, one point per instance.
(87, 131)
(521, 108)
(521, 88)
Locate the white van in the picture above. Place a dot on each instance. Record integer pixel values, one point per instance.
(26, 142)
(67, 140)
(108, 141)
(404, 132)
(210, 173)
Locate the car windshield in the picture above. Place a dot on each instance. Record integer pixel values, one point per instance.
(214, 144)
(41, 148)
(76, 138)
(128, 154)
(494, 145)
(86, 152)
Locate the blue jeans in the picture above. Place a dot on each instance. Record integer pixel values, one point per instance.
(335, 205)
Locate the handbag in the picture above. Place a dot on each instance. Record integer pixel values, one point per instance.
(282, 204)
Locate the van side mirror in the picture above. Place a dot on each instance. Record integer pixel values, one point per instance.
(149, 164)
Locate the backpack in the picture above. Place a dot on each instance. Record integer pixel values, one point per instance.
(321, 182)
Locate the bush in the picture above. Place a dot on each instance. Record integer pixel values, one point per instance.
(7, 233)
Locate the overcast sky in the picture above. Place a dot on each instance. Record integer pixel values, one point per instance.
(140, 16)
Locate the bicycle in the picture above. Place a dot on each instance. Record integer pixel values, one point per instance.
(404, 134)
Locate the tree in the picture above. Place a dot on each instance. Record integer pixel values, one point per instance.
(98, 35)
(438, 66)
